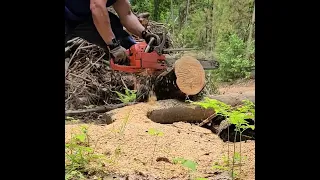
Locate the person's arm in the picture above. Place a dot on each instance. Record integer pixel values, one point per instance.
(127, 18)
(101, 19)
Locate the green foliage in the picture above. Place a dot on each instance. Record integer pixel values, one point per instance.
(231, 54)
(225, 165)
(186, 163)
(149, 6)
(219, 107)
(236, 116)
(201, 179)
(129, 96)
(219, 27)
(155, 132)
(79, 155)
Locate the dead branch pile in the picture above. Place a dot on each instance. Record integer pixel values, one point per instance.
(89, 80)
(152, 26)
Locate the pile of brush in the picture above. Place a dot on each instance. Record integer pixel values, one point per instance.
(90, 81)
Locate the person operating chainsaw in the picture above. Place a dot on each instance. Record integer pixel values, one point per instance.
(90, 20)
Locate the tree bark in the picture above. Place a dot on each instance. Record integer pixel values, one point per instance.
(156, 10)
(172, 17)
(184, 112)
(188, 2)
(250, 33)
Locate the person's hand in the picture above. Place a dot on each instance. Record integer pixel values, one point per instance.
(119, 54)
(147, 36)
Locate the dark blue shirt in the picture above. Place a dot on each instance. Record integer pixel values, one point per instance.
(80, 9)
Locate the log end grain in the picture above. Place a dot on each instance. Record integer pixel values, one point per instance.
(190, 75)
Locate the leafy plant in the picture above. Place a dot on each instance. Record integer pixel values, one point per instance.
(79, 155)
(219, 107)
(225, 166)
(156, 133)
(186, 163)
(201, 178)
(231, 54)
(236, 116)
(120, 131)
(129, 96)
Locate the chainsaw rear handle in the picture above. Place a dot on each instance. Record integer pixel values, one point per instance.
(149, 45)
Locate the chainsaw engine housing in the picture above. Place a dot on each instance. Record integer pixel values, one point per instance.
(139, 60)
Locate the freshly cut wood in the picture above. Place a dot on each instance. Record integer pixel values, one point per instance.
(190, 75)
(186, 78)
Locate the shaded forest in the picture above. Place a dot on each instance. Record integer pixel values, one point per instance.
(221, 29)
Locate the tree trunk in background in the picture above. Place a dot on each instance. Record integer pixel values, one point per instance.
(212, 32)
(172, 18)
(188, 2)
(156, 10)
(250, 33)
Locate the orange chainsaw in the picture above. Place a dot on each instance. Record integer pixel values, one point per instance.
(143, 57)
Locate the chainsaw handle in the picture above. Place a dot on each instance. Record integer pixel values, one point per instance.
(149, 44)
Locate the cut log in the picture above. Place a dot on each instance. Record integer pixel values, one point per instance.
(180, 114)
(190, 75)
(184, 112)
(185, 79)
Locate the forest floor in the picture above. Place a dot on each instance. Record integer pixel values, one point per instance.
(136, 154)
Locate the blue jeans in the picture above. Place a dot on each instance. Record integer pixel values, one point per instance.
(86, 29)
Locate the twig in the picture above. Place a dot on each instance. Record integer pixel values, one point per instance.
(90, 65)
(86, 47)
(74, 39)
(209, 119)
(123, 83)
(80, 77)
(69, 47)
(76, 51)
(69, 96)
(99, 109)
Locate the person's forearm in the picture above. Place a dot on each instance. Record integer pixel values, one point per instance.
(132, 24)
(101, 20)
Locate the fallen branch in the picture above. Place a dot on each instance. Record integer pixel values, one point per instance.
(99, 109)
(209, 119)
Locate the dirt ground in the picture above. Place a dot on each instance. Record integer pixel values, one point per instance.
(139, 150)
(238, 87)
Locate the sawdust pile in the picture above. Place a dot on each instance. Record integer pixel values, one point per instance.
(139, 154)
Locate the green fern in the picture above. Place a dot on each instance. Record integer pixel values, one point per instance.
(236, 116)
(129, 96)
(218, 106)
